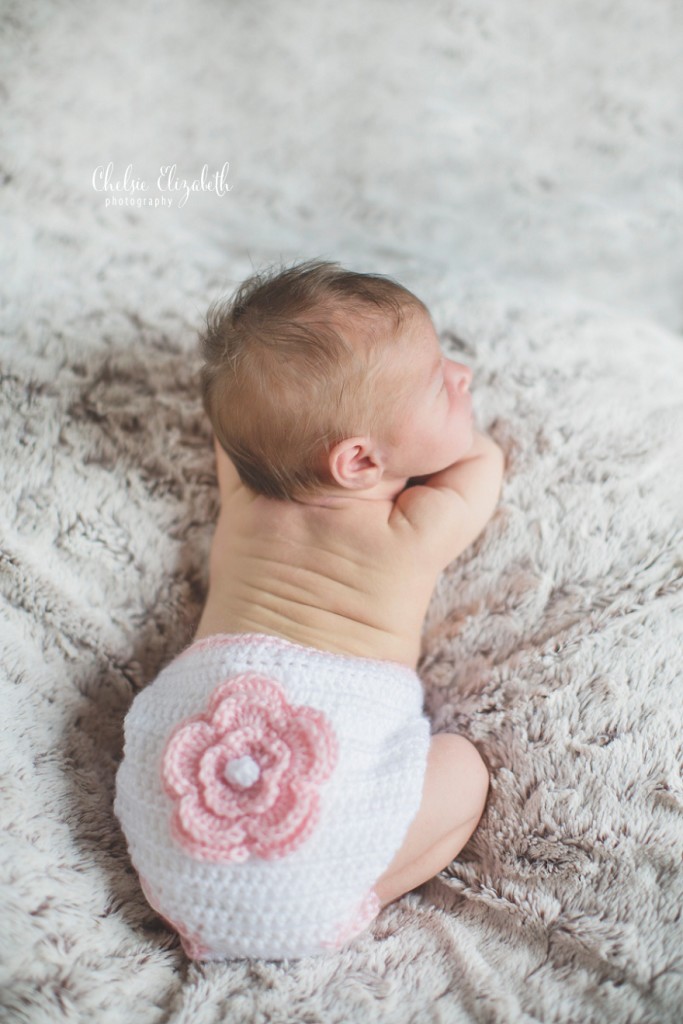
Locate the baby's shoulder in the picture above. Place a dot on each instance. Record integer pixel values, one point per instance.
(417, 506)
(426, 518)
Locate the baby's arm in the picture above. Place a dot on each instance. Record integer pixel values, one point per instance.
(229, 484)
(473, 485)
(449, 509)
(228, 477)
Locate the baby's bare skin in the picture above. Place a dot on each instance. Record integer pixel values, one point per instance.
(353, 573)
(353, 580)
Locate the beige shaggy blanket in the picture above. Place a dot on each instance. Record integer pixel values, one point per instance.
(517, 166)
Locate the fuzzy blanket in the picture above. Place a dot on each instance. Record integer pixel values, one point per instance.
(516, 166)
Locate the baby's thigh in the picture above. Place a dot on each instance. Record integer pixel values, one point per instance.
(455, 787)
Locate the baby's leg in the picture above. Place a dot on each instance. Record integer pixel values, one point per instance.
(455, 787)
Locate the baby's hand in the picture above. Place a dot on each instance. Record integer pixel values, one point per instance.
(482, 444)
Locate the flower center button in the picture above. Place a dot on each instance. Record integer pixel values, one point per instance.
(242, 771)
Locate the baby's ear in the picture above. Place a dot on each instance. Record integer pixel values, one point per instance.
(355, 463)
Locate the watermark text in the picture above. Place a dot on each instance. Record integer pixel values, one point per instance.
(129, 190)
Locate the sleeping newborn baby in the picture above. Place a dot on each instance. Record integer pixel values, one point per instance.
(279, 783)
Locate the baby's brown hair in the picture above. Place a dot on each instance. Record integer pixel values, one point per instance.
(282, 382)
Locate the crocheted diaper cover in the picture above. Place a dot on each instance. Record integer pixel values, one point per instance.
(265, 787)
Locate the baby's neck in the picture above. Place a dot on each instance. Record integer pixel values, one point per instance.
(340, 497)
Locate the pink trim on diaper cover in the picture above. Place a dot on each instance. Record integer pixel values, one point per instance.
(244, 775)
(207, 643)
(190, 941)
(365, 914)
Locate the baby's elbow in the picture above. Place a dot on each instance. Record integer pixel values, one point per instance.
(496, 460)
(499, 455)
(501, 468)
(483, 779)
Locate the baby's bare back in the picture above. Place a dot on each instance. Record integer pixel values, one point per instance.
(351, 579)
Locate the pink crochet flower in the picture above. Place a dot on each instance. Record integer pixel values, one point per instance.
(244, 776)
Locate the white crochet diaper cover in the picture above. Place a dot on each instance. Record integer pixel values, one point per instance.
(265, 787)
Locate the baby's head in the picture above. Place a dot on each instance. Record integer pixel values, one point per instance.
(301, 360)
(297, 360)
